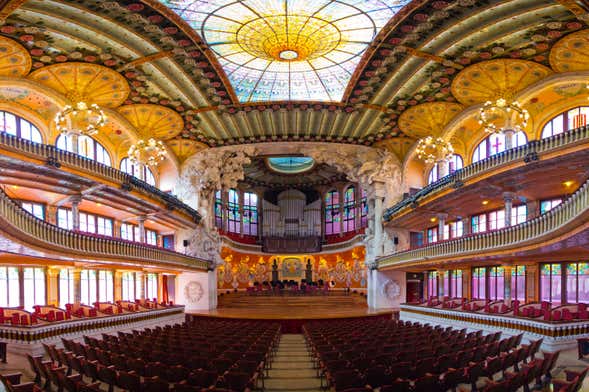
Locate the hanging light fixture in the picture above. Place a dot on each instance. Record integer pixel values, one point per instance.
(147, 153)
(502, 115)
(80, 119)
(434, 149)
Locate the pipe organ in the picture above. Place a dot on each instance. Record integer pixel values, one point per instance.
(291, 216)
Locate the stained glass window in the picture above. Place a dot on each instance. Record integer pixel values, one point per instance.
(547, 205)
(87, 147)
(551, 283)
(566, 121)
(218, 209)
(128, 286)
(479, 283)
(36, 209)
(151, 286)
(456, 229)
(495, 144)
(17, 126)
(250, 213)
(454, 164)
(519, 214)
(287, 50)
(456, 283)
(88, 286)
(350, 209)
(496, 283)
(496, 220)
(66, 287)
(364, 213)
(479, 223)
(518, 283)
(105, 286)
(135, 171)
(234, 219)
(34, 287)
(577, 282)
(432, 283)
(332, 213)
(432, 235)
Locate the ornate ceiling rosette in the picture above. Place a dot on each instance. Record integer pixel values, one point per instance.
(571, 53)
(428, 118)
(184, 148)
(83, 82)
(153, 121)
(495, 79)
(15, 60)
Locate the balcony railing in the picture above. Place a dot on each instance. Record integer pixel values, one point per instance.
(530, 232)
(57, 157)
(527, 153)
(41, 234)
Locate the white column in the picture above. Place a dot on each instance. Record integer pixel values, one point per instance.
(442, 168)
(141, 224)
(508, 198)
(509, 138)
(76, 200)
(441, 223)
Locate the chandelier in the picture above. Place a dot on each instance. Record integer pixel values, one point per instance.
(80, 119)
(501, 115)
(149, 153)
(434, 149)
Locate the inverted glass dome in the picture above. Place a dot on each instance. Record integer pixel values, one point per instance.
(276, 50)
(290, 165)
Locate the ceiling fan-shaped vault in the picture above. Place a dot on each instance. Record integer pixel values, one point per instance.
(277, 50)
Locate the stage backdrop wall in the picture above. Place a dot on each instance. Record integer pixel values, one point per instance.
(240, 270)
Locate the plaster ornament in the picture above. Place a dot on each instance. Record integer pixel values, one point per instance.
(193, 292)
(391, 289)
(205, 243)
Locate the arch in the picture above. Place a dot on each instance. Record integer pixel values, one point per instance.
(133, 170)
(18, 126)
(494, 144)
(456, 163)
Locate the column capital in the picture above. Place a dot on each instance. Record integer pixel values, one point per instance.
(442, 216)
(141, 218)
(76, 199)
(509, 196)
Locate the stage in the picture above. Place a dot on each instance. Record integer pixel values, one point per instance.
(291, 311)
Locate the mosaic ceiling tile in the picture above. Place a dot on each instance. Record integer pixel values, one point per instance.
(153, 121)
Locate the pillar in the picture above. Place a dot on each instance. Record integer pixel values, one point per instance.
(52, 284)
(426, 293)
(51, 214)
(141, 224)
(441, 278)
(507, 283)
(508, 198)
(224, 206)
(341, 190)
(140, 285)
(466, 229)
(76, 200)
(323, 215)
(77, 274)
(442, 168)
(160, 287)
(75, 146)
(259, 208)
(358, 207)
(509, 138)
(212, 277)
(441, 223)
(379, 193)
(372, 290)
(466, 282)
(240, 200)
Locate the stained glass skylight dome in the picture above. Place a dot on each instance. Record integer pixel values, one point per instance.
(275, 50)
(290, 165)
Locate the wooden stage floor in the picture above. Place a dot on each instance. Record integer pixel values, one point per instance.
(291, 311)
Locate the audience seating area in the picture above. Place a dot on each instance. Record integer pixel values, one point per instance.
(544, 311)
(401, 356)
(43, 314)
(211, 354)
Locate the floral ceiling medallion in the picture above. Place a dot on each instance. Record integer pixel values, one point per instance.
(287, 50)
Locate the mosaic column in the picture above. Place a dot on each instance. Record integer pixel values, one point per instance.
(507, 283)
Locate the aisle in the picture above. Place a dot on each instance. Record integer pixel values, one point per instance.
(292, 367)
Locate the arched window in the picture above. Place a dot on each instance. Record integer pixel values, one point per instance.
(87, 147)
(218, 209)
(19, 127)
(250, 213)
(350, 209)
(495, 144)
(233, 222)
(454, 164)
(332, 215)
(566, 121)
(364, 211)
(133, 170)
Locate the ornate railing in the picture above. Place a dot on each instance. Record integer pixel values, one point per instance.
(56, 157)
(41, 234)
(527, 153)
(533, 231)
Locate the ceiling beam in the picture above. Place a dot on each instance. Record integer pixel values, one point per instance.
(7, 7)
(146, 59)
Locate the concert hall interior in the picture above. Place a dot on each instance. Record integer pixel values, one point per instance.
(294, 195)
